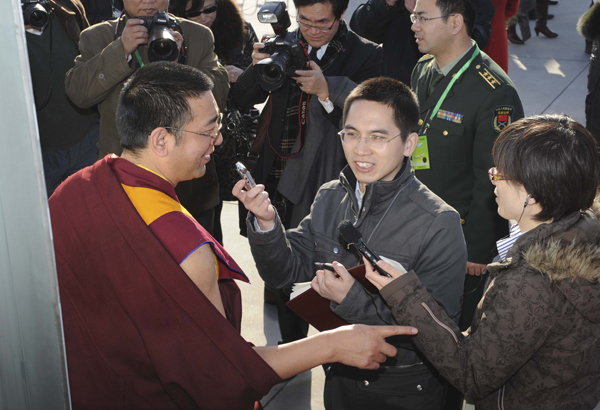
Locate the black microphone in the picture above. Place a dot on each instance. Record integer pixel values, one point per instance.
(351, 235)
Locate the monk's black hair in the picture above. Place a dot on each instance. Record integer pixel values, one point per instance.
(155, 96)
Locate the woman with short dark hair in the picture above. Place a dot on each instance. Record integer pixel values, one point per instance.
(535, 339)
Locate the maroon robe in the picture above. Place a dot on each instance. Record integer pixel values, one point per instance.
(139, 334)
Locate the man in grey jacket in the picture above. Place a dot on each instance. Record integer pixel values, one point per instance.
(399, 218)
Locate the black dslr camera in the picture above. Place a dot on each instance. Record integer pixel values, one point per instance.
(35, 13)
(287, 52)
(161, 43)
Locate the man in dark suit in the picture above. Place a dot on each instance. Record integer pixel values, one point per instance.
(466, 99)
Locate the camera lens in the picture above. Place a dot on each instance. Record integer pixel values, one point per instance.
(162, 45)
(162, 48)
(270, 72)
(36, 16)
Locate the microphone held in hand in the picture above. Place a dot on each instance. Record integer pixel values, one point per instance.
(352, 235)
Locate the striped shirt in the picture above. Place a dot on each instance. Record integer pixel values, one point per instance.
(505, 244)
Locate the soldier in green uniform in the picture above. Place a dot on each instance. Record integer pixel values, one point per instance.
(466, 99)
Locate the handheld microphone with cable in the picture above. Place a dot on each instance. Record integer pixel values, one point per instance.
(352, 235)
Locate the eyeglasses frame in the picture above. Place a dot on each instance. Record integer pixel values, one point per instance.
(367, 139)
(495, 176)
(213, 136)
(320, 29)
(422, 20)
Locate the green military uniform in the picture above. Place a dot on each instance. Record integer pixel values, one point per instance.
(460, 138)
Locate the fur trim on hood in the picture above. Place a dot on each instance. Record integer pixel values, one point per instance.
(589, 24)
(573, 266)
(560, 259)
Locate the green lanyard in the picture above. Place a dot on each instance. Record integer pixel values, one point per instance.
(447, 90)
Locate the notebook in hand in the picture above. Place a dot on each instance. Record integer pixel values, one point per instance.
(313, 308)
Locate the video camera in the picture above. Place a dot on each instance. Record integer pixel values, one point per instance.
(35, 13)
(287, 52)
(161, 43)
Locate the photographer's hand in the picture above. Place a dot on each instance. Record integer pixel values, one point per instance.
(313, 81)
(178, 39)
(233, 72)
(257, 55)
(133, 35)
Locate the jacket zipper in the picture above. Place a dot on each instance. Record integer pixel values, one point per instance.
(501, 398)
(439, 322)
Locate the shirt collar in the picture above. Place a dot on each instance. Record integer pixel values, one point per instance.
(320, 52)
(448, 67)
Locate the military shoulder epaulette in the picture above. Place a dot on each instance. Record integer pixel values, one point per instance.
(485, 73)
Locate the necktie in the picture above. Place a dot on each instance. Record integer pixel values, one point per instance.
(313, 54)
(436, 77)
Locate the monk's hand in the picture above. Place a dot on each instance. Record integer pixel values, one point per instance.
(256, 201)
(365, 346)
(133, 35)
(313, 81)
(476, 269)
(333, 285)
(375, 278)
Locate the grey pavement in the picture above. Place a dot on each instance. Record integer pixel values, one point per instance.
(550, 75)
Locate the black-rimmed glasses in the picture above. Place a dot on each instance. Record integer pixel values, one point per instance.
(318, 28)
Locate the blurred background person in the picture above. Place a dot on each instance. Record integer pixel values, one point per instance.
(388, 22)
(234, 40)
(497, 47)
(589, 27)
(52, 33)
(534, 341)
(521, 19)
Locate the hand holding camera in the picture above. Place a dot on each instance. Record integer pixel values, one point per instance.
(313, 81)
(134, 34)
(158, 31)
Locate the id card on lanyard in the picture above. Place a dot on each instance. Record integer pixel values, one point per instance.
(420, 156)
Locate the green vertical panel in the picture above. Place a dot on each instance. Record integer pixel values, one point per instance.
(32, 356)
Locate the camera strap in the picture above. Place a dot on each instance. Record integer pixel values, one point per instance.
(302, 123)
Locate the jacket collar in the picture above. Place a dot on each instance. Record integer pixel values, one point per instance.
(377, 194)
(439, 89)
(552, 248)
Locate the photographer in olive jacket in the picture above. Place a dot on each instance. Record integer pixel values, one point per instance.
(111, 51)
